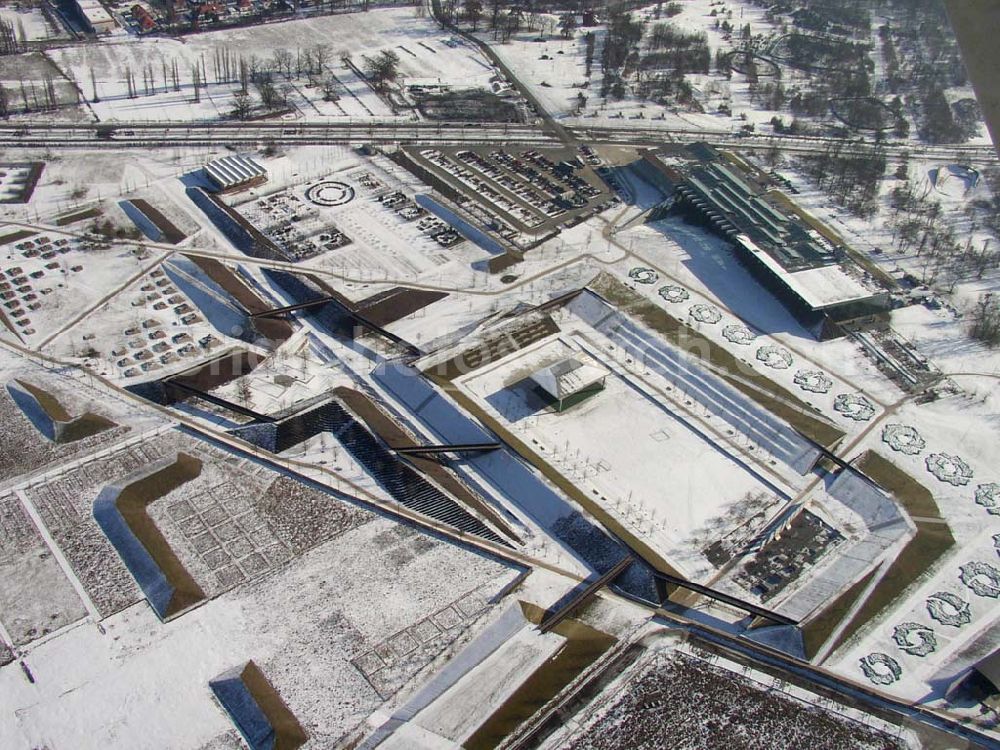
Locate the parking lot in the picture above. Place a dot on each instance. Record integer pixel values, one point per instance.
(525, 192)
(37, 267)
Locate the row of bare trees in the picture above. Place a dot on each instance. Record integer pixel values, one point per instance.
(12, 42)
(263, 75)
(31, 97)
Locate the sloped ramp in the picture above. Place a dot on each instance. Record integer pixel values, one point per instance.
(784, 638)
(51, 418)
(120, 511)
(406, 484)
(257, 709)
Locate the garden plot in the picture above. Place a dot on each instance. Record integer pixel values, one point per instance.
(783, 560)
(924, 631)
(702, 700)
(227, 525)
(941, 629)
(150, 328)
(297, 222)
(339, 631)
(65, 504)
(35, 596)
(358, 221)
(650, 468)
(35, 287)
(233, 522)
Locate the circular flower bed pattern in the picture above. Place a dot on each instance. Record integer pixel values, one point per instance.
(854, 406)
(813, 381)
(330, 193)
(903, 438)
(988, 495)
(738, 334)
(881, 669)
(643, 275)
(982, 578)
(950, 469)
(674, 293)
(775, 357)
(949, 609)
(705, 314)
(915, 639)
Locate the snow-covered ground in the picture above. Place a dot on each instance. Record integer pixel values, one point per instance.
(426, 57)
(31, 20)
(303, 627)
(666, 469)
(648, 466)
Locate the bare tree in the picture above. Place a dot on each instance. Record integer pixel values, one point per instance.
(472, 10)
(196, 80)
(321, 57)
(985, 320)
(50, 93)
(567, 25)
(242, 105)
(270, 96)
(282, 61)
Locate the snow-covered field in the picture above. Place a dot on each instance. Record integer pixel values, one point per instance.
(426, 57)
(303, 626)
(648, 465)
(31, 20)
(360, 614)
(351, 613)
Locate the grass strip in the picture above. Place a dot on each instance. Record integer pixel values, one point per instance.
(931, 542)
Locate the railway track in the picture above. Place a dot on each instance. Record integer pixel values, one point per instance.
(165, 135)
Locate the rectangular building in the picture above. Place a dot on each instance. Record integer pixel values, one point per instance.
(96, 16)
(235, 173)
(791, 254)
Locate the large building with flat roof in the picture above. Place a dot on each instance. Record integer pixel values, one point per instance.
(793, 256)
(97, 16)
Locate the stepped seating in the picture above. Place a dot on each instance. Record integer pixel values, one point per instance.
(333, 319)
(402, 481)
